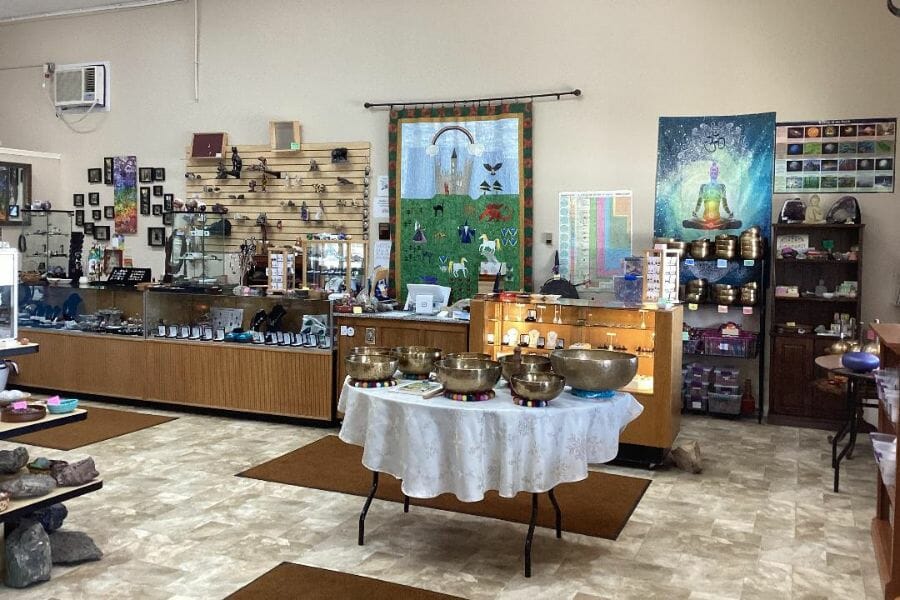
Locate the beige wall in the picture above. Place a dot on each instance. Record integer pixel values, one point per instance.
(319, 61)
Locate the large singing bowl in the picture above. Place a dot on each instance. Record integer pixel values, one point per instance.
(370, 367)
(467, 375)
(594, 370)
(372, 350)
(526, 363)
(417, 360)
(537, 386)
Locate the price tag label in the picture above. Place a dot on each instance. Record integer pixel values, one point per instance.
(53, 401)
(692, 306)
(295, 146)
(357, 310)
(696, 404)
(723, 346)
(723, 308)
(21, 405)
(685, 336)
(689, 262)
(749, 262)
(748, 310)
(343, 330)
(791, 323)
(721, 263)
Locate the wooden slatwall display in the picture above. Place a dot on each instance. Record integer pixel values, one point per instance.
(299, 188)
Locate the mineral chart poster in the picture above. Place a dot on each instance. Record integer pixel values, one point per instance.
(714, 175)
(460, 196)
(594, 236)
(835, 156)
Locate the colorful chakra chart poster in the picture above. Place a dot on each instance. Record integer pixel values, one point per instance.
(714, 175)
(125, 193)
(460, 197)
(594, 236)
(835, 156)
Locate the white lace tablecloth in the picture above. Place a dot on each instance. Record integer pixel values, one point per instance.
(438, 445)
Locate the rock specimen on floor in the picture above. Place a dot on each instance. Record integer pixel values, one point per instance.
(76, 473)
(28, 556)
(28, 486)
(687, 457)
(13, 460)
(50, 518)
(73, 547)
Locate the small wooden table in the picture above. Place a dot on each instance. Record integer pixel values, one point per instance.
(850, 427)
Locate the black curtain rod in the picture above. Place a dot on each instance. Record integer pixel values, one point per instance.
(557, 95)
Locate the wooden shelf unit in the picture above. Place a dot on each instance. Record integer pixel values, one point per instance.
(885, 527)
(795, 399)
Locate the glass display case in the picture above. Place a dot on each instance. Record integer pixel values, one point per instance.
(539, 326)
(195, 249)
(45, 242)
(91, 309)
(334, 265)
(261, 320)
(9, 292)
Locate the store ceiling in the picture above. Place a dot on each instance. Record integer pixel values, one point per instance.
(15, 10)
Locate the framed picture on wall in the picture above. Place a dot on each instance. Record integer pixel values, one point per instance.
(168, 218)
(159, 174)
(88, 229)
(77, 199)
(94, 198)
(157, 210)
(95, 175)
(101, 233)
(97, 214)
(156, 236)
(157, 190)
(109, 212)
(168, 201)
(108, 170)
(79, 218)
(145, 174)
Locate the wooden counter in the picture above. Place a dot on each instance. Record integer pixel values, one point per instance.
(240, 377)
(397, 329)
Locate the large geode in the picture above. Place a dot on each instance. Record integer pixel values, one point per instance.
(845, 209)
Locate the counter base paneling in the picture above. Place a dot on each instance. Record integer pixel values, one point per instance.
(253, 379)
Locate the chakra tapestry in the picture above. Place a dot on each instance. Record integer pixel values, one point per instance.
(460, 197)
(714, 175)
(125, 193)
(594, 236)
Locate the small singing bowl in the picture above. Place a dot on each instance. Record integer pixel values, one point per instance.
(537, 386)
(417, 360)
(370, 367)
(723, 287)
(476, 355)
(371, 350)
(700, 249)
(526, 363)
(467, 375)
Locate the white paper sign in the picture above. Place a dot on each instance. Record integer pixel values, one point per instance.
(381, 208)
(382, 253)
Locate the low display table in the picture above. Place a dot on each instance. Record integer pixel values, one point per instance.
(850, 427)
(436, 445)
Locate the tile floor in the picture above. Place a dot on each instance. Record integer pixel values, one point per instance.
(761, 522)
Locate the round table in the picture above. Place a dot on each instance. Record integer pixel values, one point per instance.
(436, 445)
(849, 429)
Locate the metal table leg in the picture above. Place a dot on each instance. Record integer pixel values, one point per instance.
(530, 536)
(848, 428)
(405, 503)
(365, 510)
(558, 513)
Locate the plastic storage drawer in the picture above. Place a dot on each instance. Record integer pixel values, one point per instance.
(724, 404)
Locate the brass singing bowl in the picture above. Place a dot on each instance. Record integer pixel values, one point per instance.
(526, 363)
(477, 355)
(417, 360)
(594, 370)
(371, 350)
(467, 375)
(537, 386)
(370, 367)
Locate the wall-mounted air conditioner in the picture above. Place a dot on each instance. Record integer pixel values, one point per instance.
(81, 87)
